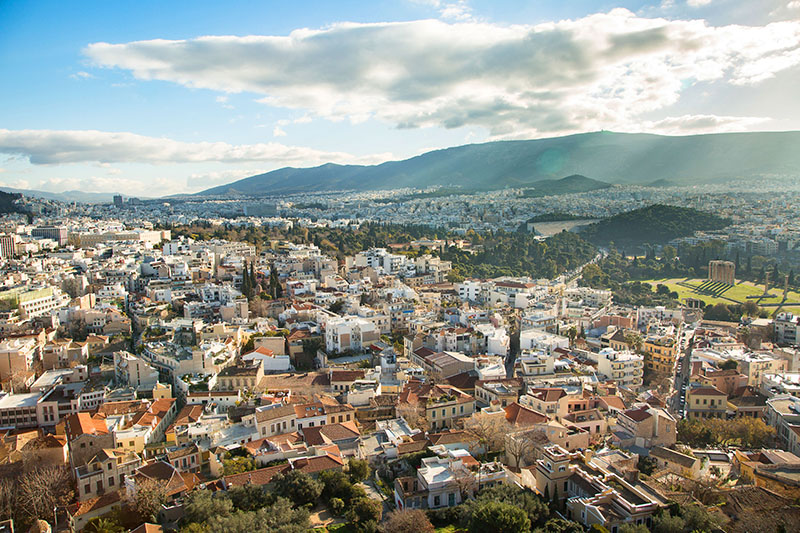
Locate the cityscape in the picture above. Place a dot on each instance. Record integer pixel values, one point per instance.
(423, 266)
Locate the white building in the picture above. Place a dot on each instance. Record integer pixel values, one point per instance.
(539, 340)
(787, 327)
(469, 290)
(625, 368)
(134, 371)
(349, 333)
(269, 361)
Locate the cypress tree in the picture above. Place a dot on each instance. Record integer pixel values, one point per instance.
(253, 280)
(245, 282)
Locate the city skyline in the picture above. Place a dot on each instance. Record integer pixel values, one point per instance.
(154, 100)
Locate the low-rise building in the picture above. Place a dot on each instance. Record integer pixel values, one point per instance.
(706, 402)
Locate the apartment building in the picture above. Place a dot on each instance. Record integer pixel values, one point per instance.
(625, 368)
(706, 402)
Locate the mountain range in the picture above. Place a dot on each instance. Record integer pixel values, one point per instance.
(613, 158)
(66, 196)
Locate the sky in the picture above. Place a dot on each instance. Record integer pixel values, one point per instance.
(153, 98)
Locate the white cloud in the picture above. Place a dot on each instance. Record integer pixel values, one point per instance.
(690, 124)
(794, 4)
(452, 10)
(602, 71)
(223, 100)
(48, 147)
(697, 3)
(278, 132)
(82, 75)
(204, 180)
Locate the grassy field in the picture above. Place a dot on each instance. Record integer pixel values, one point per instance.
(713, 293)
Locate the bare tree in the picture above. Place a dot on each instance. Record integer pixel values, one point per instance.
(150, 495)
(8, 498)
(408, 521)
(465, 481)
(521, 447)
(412, 414)
(489, 430)
(41, 490)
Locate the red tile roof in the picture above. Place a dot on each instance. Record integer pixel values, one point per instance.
(637, 415)
(519, 415)
(85, 424)
(551, 394)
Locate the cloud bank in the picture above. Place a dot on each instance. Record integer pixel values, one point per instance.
(50, 147)
(603, 71)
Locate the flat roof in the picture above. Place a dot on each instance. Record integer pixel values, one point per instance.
(12, 401)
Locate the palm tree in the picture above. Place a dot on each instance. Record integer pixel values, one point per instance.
(104, 525)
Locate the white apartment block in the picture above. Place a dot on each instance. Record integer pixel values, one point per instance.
(349, 333)
(625, 368)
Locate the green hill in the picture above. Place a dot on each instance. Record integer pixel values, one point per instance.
(569, 185)
(621, 158)
(654, 224)
(7, 204)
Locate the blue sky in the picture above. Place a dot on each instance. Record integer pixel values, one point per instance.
(157, 98)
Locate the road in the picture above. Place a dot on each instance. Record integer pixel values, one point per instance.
(682, 373)
(569, 279)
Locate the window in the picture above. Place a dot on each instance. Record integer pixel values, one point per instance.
(566, 486)
(437, 501)
(87, 488)
(451, 499)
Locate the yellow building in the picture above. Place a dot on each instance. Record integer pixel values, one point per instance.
(660, 354)
(706, 402)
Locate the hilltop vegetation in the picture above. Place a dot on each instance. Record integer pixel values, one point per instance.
(569, 185)
(498, 254)
(7, 204)
(654, 224)
(518, 254)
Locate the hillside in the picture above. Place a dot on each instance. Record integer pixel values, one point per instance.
(621, 158)
(569, 185)
(7, 204)
(654, 224)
